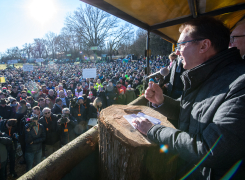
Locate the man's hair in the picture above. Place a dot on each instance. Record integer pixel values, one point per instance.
(173, 54)
(36, 108)
(65, 110)
(46, 108)
(40, 99)
(208, 28)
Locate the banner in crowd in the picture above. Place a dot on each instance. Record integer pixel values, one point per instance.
(39, 60)
(2, 79)
(89, 73)
(12, 61)
(27, 67)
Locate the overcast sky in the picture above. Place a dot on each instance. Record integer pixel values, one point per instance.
(23, 20)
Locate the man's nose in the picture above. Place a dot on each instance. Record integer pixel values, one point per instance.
(177, 52)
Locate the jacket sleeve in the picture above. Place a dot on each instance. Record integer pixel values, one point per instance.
(221, 143)
(170, 108)
(73, 121)
(5, 140)
(42, 135)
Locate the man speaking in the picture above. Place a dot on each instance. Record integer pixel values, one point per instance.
(210, 139)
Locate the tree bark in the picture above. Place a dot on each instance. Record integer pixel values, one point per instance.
(125, 153)
(66, 158)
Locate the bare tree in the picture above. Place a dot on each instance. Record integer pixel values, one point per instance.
(27, 48)
(51, 38)
(91, 25)
(39, 47)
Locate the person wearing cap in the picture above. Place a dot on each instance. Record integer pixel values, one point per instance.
(130, 94)
(49, 121)
(71, 87)
(78, 112)
(111, 93)
(57, 108)
(31, 101)
(135, 85)
(102, 94)
(35, 135)
(9, 127)
(6, 111)
(78, 90)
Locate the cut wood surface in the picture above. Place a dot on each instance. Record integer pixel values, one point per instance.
(112, 118)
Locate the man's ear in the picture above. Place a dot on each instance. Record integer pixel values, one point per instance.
(205, 45)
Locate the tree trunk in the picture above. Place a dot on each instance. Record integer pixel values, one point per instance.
(125, 153)
(66, 158)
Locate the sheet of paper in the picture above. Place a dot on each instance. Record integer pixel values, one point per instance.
(130, 117)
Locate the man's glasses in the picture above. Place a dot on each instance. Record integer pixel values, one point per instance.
(233, 37)
(178, 48)
(47, 113)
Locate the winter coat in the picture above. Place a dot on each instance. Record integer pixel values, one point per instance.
(67, 136)
(130, 95)
(102, 96)
(50, 125)
(56, 109)
(111, 94)
(6, 112)
(37, 139)
(211, 118)
(92, 112)
(4, 142)
(75, 113)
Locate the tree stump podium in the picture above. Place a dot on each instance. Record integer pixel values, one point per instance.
(125, 153)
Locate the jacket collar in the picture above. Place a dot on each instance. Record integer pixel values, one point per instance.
(194, 77)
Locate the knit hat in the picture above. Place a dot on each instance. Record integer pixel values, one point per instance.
(11, 99)
(80, 97)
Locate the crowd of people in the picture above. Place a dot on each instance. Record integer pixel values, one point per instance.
(48, 107)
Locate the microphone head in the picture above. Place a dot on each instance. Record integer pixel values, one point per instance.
(164, 71)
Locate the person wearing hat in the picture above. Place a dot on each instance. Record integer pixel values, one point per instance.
(78, 112)
(31, 101)
(57, 108)
(14, 92)
(135, 85)
(71, 87)
(102, 94)
(6, 111)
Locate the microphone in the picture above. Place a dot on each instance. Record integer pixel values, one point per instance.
(163, 72)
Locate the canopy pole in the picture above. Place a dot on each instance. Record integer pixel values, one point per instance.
(148, 53)
(173, 47)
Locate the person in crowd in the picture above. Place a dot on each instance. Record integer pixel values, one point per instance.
(84, 87)
(5, 142)
(41, 95)
(50, 86)
(14, 92)
(44, 89)
(78, 112)
(121, 97)
(49, 121)
(51, 95)
(98, 83)
(35, 135)
(9, 127)
(71, 87)
(135, 85)
(66, 125)
(65, 101)
(102, 94)
(120, 86)
(69, 96)
(60, 87)
(41, 104)
(237, 37)
(111, 93)
(6, 112)
(13, 104)
(48, 103)
(115, 79)
(173, 83)
(78, 90)
(94, 110)
(210, 111)
(130, 94)
(31, 101)
(57, 108)
(23, 96)
(86, 103)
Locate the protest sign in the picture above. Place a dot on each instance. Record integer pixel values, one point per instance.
(89, 73)
(27, 67)
(12, 61)
(39, 60)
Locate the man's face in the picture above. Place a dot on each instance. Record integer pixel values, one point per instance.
(62, 94)
(189, 51)
(36, 112)
(239, 42)
(23, 94)
(44, 88)
(80, 101)
(47, 113)
(42, 103)
(51, 92)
